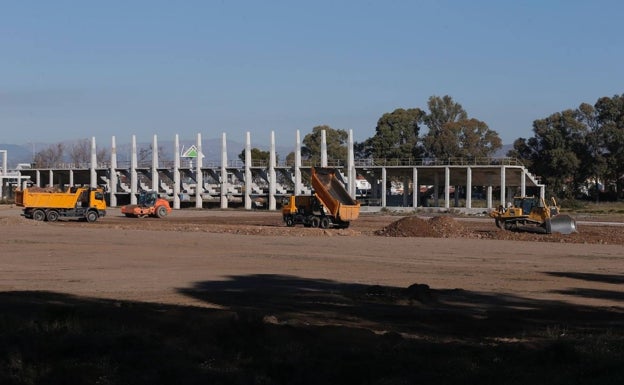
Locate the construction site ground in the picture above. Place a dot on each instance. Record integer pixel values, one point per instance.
(437, 278)
(150, 259)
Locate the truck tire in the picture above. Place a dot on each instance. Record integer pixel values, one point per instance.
(52, 216)
(290, 222)
(91, 216)
(315, 221)
(325, 223)
(39, 215)
(161, 212)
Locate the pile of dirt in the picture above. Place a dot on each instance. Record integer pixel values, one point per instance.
(413, 226)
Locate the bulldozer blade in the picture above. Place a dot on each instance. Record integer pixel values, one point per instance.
(563, 224)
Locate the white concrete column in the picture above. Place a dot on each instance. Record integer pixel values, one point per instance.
(112, 188)
(297, 164)
(272, 176)
(415, 188)
(176, 172)
(351, 166)
(224, 176)
(134, 178)
(94, 182)
(38, 178)
(199, 176)
(50, 178)
(323, 148)
(469, 188)
(489, 197)
(248, 176)
(155, 179)
(523, 182)
(383, 187)
(503, 188)
(447, 187)
(71, 178)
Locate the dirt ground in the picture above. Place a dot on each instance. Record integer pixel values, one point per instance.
(413, 292)
(159, 260)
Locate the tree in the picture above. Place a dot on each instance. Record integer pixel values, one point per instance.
(258, 155)
(50, 157)
(553, 151)
(336, 144)
(452, 134)
(473, 138)
(610, 116)
(80, 152)
(439, 141)
(396, 135)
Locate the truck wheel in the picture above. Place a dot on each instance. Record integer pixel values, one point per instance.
(52, 216)
(325, 223)
(39, 215)
(161, 212)
(290, 222)
(91, 216)
(315, 222)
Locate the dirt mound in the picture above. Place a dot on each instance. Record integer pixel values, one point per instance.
(413, 226)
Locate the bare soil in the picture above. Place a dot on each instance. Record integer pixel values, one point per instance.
(155, 260)
(461, 285)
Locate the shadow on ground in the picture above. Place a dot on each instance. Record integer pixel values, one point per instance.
(288, 330)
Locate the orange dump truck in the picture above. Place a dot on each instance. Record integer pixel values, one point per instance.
(77, 202)
(329, 206)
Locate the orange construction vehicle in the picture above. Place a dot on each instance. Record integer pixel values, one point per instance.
(329, 206)
(77, 202)
(148, 205)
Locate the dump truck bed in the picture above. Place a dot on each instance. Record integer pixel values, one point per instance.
(333, 195)
(57, 200)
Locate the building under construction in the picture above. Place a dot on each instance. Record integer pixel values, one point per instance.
(191, 181)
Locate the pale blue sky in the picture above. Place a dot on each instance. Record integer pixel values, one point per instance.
(76, 69)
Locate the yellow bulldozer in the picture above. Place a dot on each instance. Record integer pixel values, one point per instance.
(532, 214)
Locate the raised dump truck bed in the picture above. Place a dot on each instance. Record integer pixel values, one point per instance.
(77, 202)
(329, 206)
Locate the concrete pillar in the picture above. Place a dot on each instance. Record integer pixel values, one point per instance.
(248, 176)
(224, 176)
(272, 176)
(5, 167)
(469, 188)
(383, 187)
(112, 188)
(523, 182)
(297, 164)
(447, 187)
(134, 178)
(176, 172)
(489, 197)
(50, 178)
(71, 178)
(199, 176)
(503, 181)
(155, 179)
(38, 178)
(94, 182)
(415, 188)
(323, 148)
(297, 190)
(351, 165)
